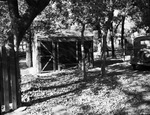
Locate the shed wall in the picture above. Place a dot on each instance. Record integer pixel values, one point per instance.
(62, 53)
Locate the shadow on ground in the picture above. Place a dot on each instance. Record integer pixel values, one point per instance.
(132, 86)
(135, 84)
(97, 63)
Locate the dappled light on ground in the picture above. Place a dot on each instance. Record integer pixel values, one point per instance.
(122, 92)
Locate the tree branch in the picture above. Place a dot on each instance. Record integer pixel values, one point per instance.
(13, 8)
(37, 4)
(21, 23)
(115, 30)
(30, 14)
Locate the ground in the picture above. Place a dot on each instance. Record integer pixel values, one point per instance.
(122, 92)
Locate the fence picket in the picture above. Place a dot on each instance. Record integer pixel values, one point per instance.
(13, 80)
(9, 85)
(18, 79)
(5, 79)
(1, 80)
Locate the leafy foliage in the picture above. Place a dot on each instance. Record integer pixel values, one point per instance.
(54, 17)
(142, 14)
(5, 22)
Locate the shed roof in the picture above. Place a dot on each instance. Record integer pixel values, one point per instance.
(63, 38)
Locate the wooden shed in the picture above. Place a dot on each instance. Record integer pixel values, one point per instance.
(52, 53)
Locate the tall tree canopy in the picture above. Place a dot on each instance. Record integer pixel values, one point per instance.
(142, 14)
(20, 21)
(5, 21)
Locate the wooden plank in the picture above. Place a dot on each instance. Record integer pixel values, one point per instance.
(88, 57)
(48, 47)
(5, 79)
(39, 65)
(18, 78)
(92, 55)
(46, 64)
(89, 52)
(54, 56)
(48, 50)
(55, 50)
(13, 79)
(34, 53)
(77, 52)
(9, 81)
(58, 56)
(0, 80)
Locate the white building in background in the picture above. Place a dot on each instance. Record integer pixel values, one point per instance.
(22, 47)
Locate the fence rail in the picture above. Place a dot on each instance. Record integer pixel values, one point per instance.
(8, 80)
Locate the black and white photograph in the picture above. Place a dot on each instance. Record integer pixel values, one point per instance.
(74, 57)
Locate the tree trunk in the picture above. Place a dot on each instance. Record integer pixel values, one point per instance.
(107, 50)
(99, 32)
(112, 46)
(103, 55)
(107, 26)
(111, 31)
(122, 34)
(29, 50)
(112, 41)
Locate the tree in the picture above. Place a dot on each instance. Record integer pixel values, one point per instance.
(142, 14)
(5, 21)
(20, 22)
(29, 41)
(126, 9)
(106, 27)
(93, 13)
(53, 18)
(80, 15)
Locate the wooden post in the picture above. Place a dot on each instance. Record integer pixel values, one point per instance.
(92, 56)
(13, 79)
(5, 79)
(77, 52)
(34, 52)
(18, 77)
(58, 56)
(56, 64)
(54, 56)
(38, 57)
(88, 52)
(83, 67)
(1, 80)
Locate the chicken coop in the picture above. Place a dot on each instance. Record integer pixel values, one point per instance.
(54, 53)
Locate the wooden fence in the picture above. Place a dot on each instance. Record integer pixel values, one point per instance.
(9, 85)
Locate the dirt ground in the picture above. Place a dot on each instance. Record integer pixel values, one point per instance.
(122, 92)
